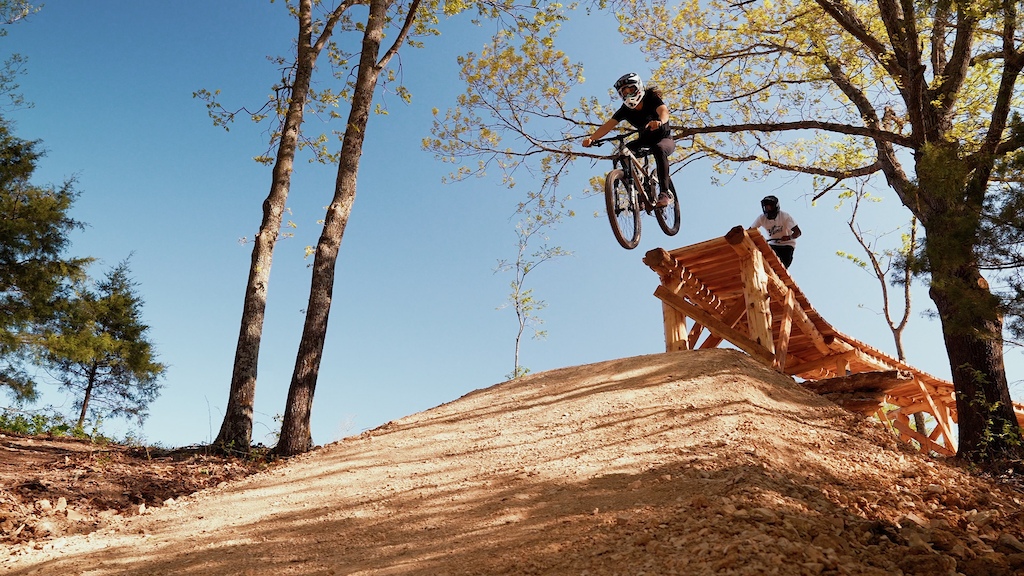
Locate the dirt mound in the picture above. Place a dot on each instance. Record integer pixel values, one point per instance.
(686, 463)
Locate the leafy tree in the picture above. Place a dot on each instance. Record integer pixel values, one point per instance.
(34, 273)
(921, 94)
(99, 350)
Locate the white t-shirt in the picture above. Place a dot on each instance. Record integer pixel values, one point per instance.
(782, 225)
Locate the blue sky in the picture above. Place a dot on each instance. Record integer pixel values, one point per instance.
(415, 321)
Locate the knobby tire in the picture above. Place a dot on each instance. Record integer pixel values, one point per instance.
(623, 209)
(668, 216)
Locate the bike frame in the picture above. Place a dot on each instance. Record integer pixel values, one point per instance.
(637, 172)
(632, 181)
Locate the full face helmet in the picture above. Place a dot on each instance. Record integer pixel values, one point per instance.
(631, 88)
(770, 207)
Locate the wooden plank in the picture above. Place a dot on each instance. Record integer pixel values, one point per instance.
(858, 402)
(713, 244)
(713, 324)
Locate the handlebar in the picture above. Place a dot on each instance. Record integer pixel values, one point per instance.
(617, 137)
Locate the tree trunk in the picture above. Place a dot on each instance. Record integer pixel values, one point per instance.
(949, 207)
(236, 430)
(88, 395)
(296, 437)
(972, 328)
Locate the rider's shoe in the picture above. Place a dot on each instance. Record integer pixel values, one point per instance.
(664, 200)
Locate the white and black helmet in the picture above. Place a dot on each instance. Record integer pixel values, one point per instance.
(631, 88)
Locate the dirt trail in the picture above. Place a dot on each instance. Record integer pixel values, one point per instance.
(685, 463)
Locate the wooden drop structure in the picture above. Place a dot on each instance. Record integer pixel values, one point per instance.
(735, 289)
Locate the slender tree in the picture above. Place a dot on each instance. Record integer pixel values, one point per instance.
(520, 299)
(363, 73)
(889, 266)
(921, 93)
(99, 350)
(373, 68)
(291, 99)
(295, 431)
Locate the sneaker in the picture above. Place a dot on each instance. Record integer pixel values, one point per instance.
(664, 200)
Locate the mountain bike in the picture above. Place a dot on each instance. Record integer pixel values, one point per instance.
(632, 186)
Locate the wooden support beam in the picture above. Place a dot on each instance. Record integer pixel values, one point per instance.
(873, 381)
(900, 422)
(732, 316)
(825, 362)
(785, 325)
(694, 335)
(755, 288)
(778, 289)
(675, 329)
(926, 443)
(940, 415)
(880, 414)
(716, 326)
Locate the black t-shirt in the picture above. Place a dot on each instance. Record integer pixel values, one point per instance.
(641, 116)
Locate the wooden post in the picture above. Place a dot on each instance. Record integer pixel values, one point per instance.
(785, 325)
(675, 329)
(755, 288)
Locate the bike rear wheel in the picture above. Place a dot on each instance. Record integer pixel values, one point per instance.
(623, 209)
(668, 216)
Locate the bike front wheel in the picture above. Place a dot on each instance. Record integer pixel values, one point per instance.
(623, 209)
(668, 216)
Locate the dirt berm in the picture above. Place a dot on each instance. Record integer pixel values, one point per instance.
(686, 463)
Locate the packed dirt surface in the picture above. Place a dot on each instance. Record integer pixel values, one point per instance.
(687, 463)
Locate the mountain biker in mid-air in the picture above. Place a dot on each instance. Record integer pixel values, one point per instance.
(647, 112)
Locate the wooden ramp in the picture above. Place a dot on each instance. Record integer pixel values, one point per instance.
(734, 288)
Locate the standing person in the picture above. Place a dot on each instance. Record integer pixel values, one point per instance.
(647, 112)
(781, 227)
